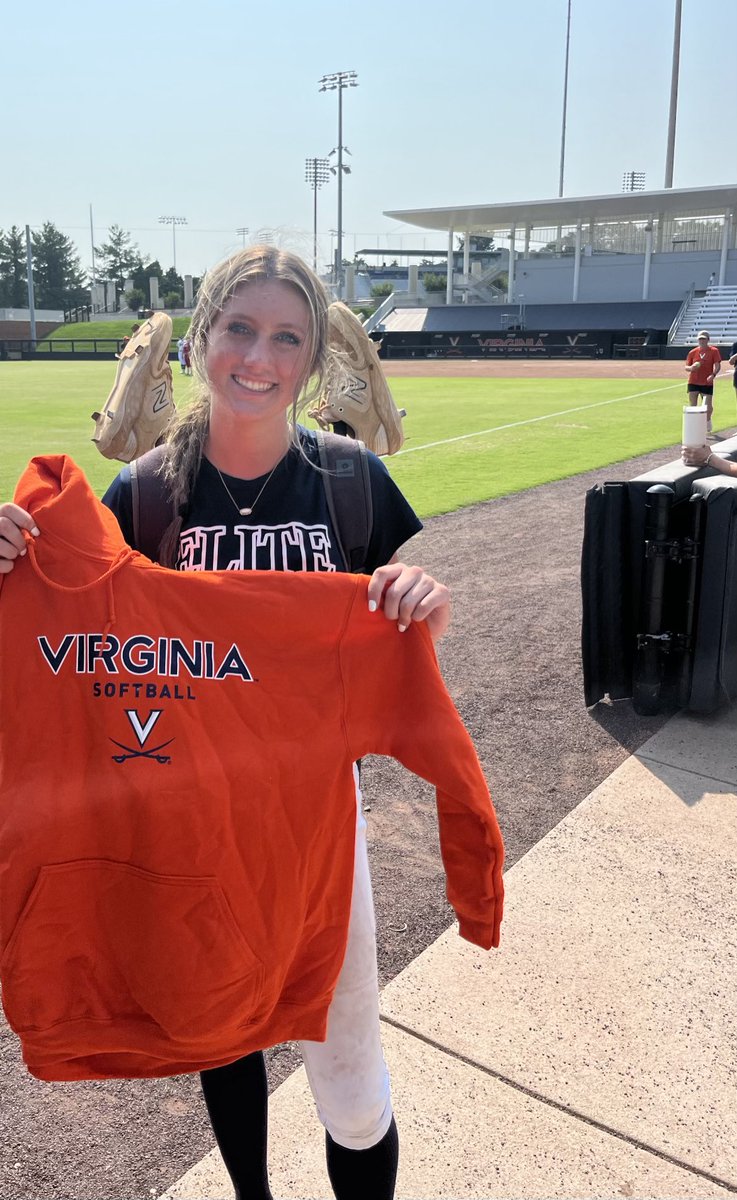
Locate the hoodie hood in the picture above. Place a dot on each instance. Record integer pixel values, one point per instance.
(73, 524)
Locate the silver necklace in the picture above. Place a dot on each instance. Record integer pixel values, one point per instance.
(246, 511)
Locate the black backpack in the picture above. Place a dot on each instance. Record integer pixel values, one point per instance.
(345, 476)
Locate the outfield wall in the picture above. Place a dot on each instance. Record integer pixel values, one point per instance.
(66, 349)
(528, 343)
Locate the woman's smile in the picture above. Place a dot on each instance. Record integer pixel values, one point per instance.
(253, 385)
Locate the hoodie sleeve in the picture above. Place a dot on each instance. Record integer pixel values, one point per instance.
(396, 703)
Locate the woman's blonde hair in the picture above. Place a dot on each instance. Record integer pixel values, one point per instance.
(188, 435)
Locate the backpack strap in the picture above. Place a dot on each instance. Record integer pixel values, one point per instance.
(152, 508)
(345, 476)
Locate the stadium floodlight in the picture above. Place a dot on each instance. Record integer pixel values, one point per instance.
(633, 181)
(317, 172)
(242, 232)
(336, 82)
(173, 221)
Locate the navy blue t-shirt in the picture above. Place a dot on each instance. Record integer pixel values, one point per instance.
(290, 528)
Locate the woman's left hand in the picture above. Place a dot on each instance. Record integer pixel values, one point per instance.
(409, 594)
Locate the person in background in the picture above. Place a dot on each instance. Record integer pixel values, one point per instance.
(703, 364)
(126, 339)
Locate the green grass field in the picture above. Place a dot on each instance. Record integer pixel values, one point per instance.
(104, 331)
(466, 440)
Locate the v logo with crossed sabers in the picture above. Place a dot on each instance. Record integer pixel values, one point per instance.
(142, 733)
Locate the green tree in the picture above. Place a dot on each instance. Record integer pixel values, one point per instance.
(13, 282)
(171, 282)
(58, 280)
(150, 270)
(476, 242)
(118, 258)
(135, 298)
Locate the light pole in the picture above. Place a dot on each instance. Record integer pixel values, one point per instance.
(242, 234)
(173, 221)
(336, 83)
(671, 146)
(565, 105)
(332, 233)
(316, 174)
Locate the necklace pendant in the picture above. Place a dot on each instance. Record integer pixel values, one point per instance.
(245, 512)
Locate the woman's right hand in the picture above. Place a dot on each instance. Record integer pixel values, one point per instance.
(13, 520)
(695, 456)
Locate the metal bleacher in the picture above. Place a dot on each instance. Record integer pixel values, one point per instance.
(715, 310)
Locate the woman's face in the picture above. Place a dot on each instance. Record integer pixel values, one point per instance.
(257, 348)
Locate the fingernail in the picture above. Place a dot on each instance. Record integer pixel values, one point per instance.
(23, 551)
(35, 531)
(402, 628)
(372, 606)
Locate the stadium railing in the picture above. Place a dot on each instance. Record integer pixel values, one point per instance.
(64, 348)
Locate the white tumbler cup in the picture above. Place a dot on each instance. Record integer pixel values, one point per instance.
(694, 425)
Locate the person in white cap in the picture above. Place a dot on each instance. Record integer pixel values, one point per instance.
(703, 364)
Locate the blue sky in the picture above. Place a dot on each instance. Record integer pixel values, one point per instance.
(208, 111)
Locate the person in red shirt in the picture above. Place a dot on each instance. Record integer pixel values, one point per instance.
(244, 480)
(703, 365)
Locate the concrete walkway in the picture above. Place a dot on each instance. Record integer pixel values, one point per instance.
(595, 1054)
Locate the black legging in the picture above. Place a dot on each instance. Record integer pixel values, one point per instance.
(237, 1102)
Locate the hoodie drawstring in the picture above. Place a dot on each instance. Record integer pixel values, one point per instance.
(122, 557)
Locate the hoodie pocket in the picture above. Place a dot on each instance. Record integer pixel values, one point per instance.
(105, 941)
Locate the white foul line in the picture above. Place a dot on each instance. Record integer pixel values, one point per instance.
(531, 420)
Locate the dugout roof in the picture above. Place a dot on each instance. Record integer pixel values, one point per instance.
(622, 206)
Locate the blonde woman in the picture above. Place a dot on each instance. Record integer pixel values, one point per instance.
(247, 493)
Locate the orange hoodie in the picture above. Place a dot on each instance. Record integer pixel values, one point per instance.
(177, 811)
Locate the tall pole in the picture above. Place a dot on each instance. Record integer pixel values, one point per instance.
(339, 248)
(314, 229)
(331, 83)
(92, 243)
(317, 171)
(173, 221)
(29, 274)
(670, 151)
(565, 104)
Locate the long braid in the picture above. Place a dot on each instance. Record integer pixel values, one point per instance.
(184, 449)
(186, 444)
